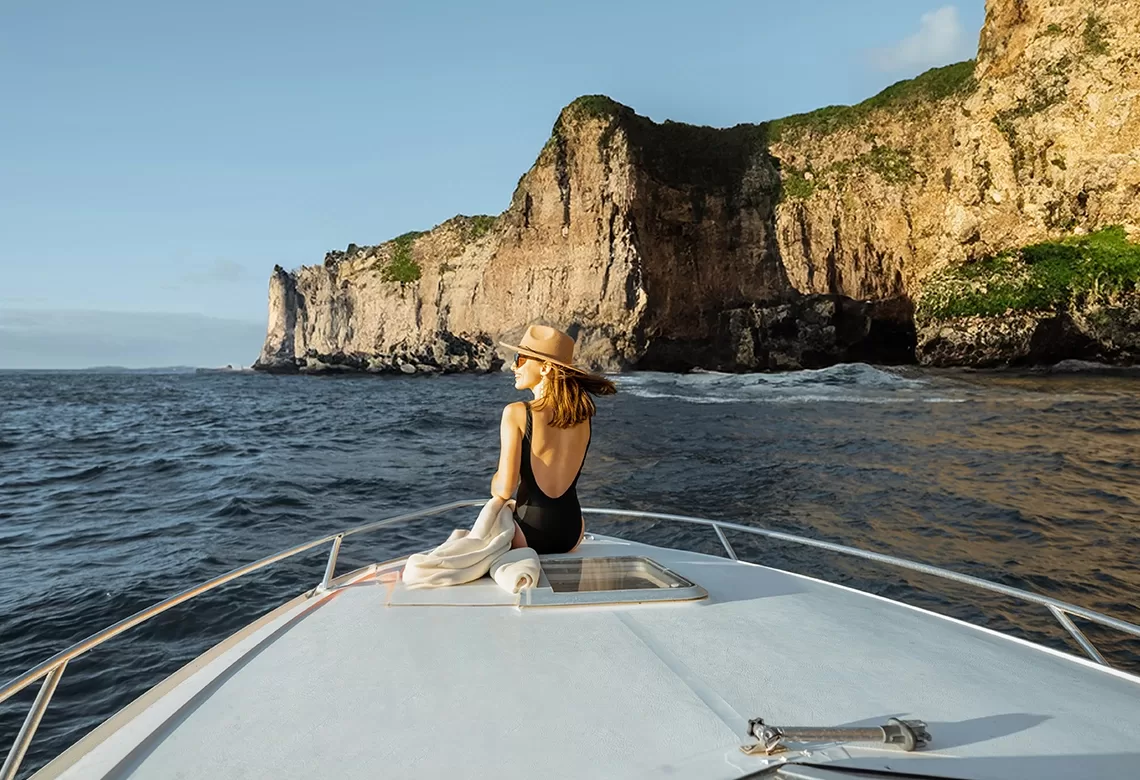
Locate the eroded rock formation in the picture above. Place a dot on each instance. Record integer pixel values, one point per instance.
(673, 246)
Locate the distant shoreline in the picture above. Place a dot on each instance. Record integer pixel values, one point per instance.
(125, 370)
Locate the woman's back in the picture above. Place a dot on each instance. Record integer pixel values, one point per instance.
(556, 454)
(547, 512)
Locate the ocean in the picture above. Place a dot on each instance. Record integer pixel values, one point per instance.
(119, 490)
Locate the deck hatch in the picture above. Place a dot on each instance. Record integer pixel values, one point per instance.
(577, 579)
(626, 572)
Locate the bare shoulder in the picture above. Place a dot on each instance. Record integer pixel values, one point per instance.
(514, 412)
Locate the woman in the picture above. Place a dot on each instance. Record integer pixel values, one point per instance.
(544, 442)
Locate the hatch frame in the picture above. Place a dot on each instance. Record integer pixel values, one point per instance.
(545, 595)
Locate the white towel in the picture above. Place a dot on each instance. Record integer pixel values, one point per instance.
(466, 555)
(516, 569)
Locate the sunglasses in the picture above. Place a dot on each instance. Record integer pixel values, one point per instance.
(519, 360)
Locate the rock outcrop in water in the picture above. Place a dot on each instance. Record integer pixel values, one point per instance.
(794, 243)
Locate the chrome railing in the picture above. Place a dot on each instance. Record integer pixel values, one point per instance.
(53, 668)
(1061, 610)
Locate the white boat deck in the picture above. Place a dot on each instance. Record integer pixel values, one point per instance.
(360, 683)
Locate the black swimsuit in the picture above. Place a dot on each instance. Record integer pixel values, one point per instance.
(551, 525)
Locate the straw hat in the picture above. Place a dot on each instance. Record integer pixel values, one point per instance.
(546, 343)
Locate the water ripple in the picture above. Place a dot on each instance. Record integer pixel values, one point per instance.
(120, 491)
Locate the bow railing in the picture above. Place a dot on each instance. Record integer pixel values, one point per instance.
(52, 669)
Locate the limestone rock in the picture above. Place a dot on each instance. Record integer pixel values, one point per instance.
(814, 331)
(643, 239)
(1102, 334)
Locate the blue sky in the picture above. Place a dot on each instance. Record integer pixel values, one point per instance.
(162, 157)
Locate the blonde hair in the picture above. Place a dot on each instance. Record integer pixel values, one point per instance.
(568, 394)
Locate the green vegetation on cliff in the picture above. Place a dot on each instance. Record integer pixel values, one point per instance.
(1094, 35)
(716, 159)
(1049, 87)
(892, 165)
(797, 185)
(932, 86)
(401, 266)
(1097, 268)
(595, 107)
(587, 107)
(480, 226)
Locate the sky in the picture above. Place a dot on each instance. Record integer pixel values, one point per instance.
(161, 158)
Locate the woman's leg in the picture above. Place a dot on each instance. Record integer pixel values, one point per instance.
(581, 536)
(519, 539)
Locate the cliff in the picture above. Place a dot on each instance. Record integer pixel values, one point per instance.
(791, 243)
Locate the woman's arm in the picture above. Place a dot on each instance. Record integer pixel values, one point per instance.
(510, 453)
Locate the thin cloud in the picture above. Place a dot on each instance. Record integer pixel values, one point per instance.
(940, 40)
(219, 272)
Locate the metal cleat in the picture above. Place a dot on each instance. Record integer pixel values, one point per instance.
(907, 734)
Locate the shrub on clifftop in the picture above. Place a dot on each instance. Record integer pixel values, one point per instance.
(1099, 268)
(930, 87)
(401, 266)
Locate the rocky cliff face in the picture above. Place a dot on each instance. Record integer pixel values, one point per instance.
(759, 246)
(1047, 149)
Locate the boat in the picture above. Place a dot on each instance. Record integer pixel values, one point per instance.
(626, 660)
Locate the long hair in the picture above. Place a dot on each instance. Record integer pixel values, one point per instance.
(568, 394)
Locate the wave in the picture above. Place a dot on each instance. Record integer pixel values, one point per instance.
(84, 475)
(796, 399)
(845, 383)
(235, 507)
(1034, 478)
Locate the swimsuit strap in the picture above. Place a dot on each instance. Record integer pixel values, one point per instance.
(589, 438)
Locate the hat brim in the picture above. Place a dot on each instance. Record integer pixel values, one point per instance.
(540, 356)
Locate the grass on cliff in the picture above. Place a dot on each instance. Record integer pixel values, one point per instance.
(894, 166)
(401, 266)
(797, 186)
(595, 106)
(934, 85)
(1097, 268)
(480, 226)
(1094, 35)
(585, 107)
(715, 159)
